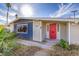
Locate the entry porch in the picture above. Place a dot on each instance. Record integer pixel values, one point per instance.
(50, 30)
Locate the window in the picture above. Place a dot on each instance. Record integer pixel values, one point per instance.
(21, 28)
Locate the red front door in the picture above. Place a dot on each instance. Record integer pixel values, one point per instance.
(52, 32)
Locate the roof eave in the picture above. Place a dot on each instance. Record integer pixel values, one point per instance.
(47, 19)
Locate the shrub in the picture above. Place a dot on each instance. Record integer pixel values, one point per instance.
(7, 42)
(63, 44)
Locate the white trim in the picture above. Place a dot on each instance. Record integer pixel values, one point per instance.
(56, 30)
(23, 22)
(47, 31)
(69, 33)
(20, 25)
(58, 33)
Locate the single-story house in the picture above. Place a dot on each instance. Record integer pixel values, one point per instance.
(40, 29)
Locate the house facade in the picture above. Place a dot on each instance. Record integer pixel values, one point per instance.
(41, 29)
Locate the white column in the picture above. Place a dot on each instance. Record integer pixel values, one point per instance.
(58, 31)
(47, 30)
(69, 33)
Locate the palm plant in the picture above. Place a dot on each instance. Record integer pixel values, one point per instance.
(7, 42)
(8, 5)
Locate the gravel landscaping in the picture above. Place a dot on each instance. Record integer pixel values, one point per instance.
(26, 50)
(59, 51)
(54, 51)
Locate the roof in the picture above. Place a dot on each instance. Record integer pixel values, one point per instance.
(46, 19)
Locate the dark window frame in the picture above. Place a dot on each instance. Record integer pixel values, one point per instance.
(18, 25)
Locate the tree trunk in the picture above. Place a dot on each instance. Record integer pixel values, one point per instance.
(7, 15)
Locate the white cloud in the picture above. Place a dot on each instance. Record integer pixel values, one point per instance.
(12, 13)
(14, 6)
(64, 9)
(26, 10)
(1, 11)
(11, 17)
(1, 23)
(4, 19)
(61, 7)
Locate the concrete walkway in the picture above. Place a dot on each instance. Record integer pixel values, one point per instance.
(46, 45)
(41, 53)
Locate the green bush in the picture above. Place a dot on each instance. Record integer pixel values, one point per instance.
(7, 42)
(64, 44)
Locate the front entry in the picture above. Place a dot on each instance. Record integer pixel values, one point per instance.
(52, 31)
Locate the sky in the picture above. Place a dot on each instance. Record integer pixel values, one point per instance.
(52, 10)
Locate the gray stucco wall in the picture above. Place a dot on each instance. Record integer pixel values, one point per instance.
(63, 31)
(44, 30)
(74, 33)
(11, 27)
